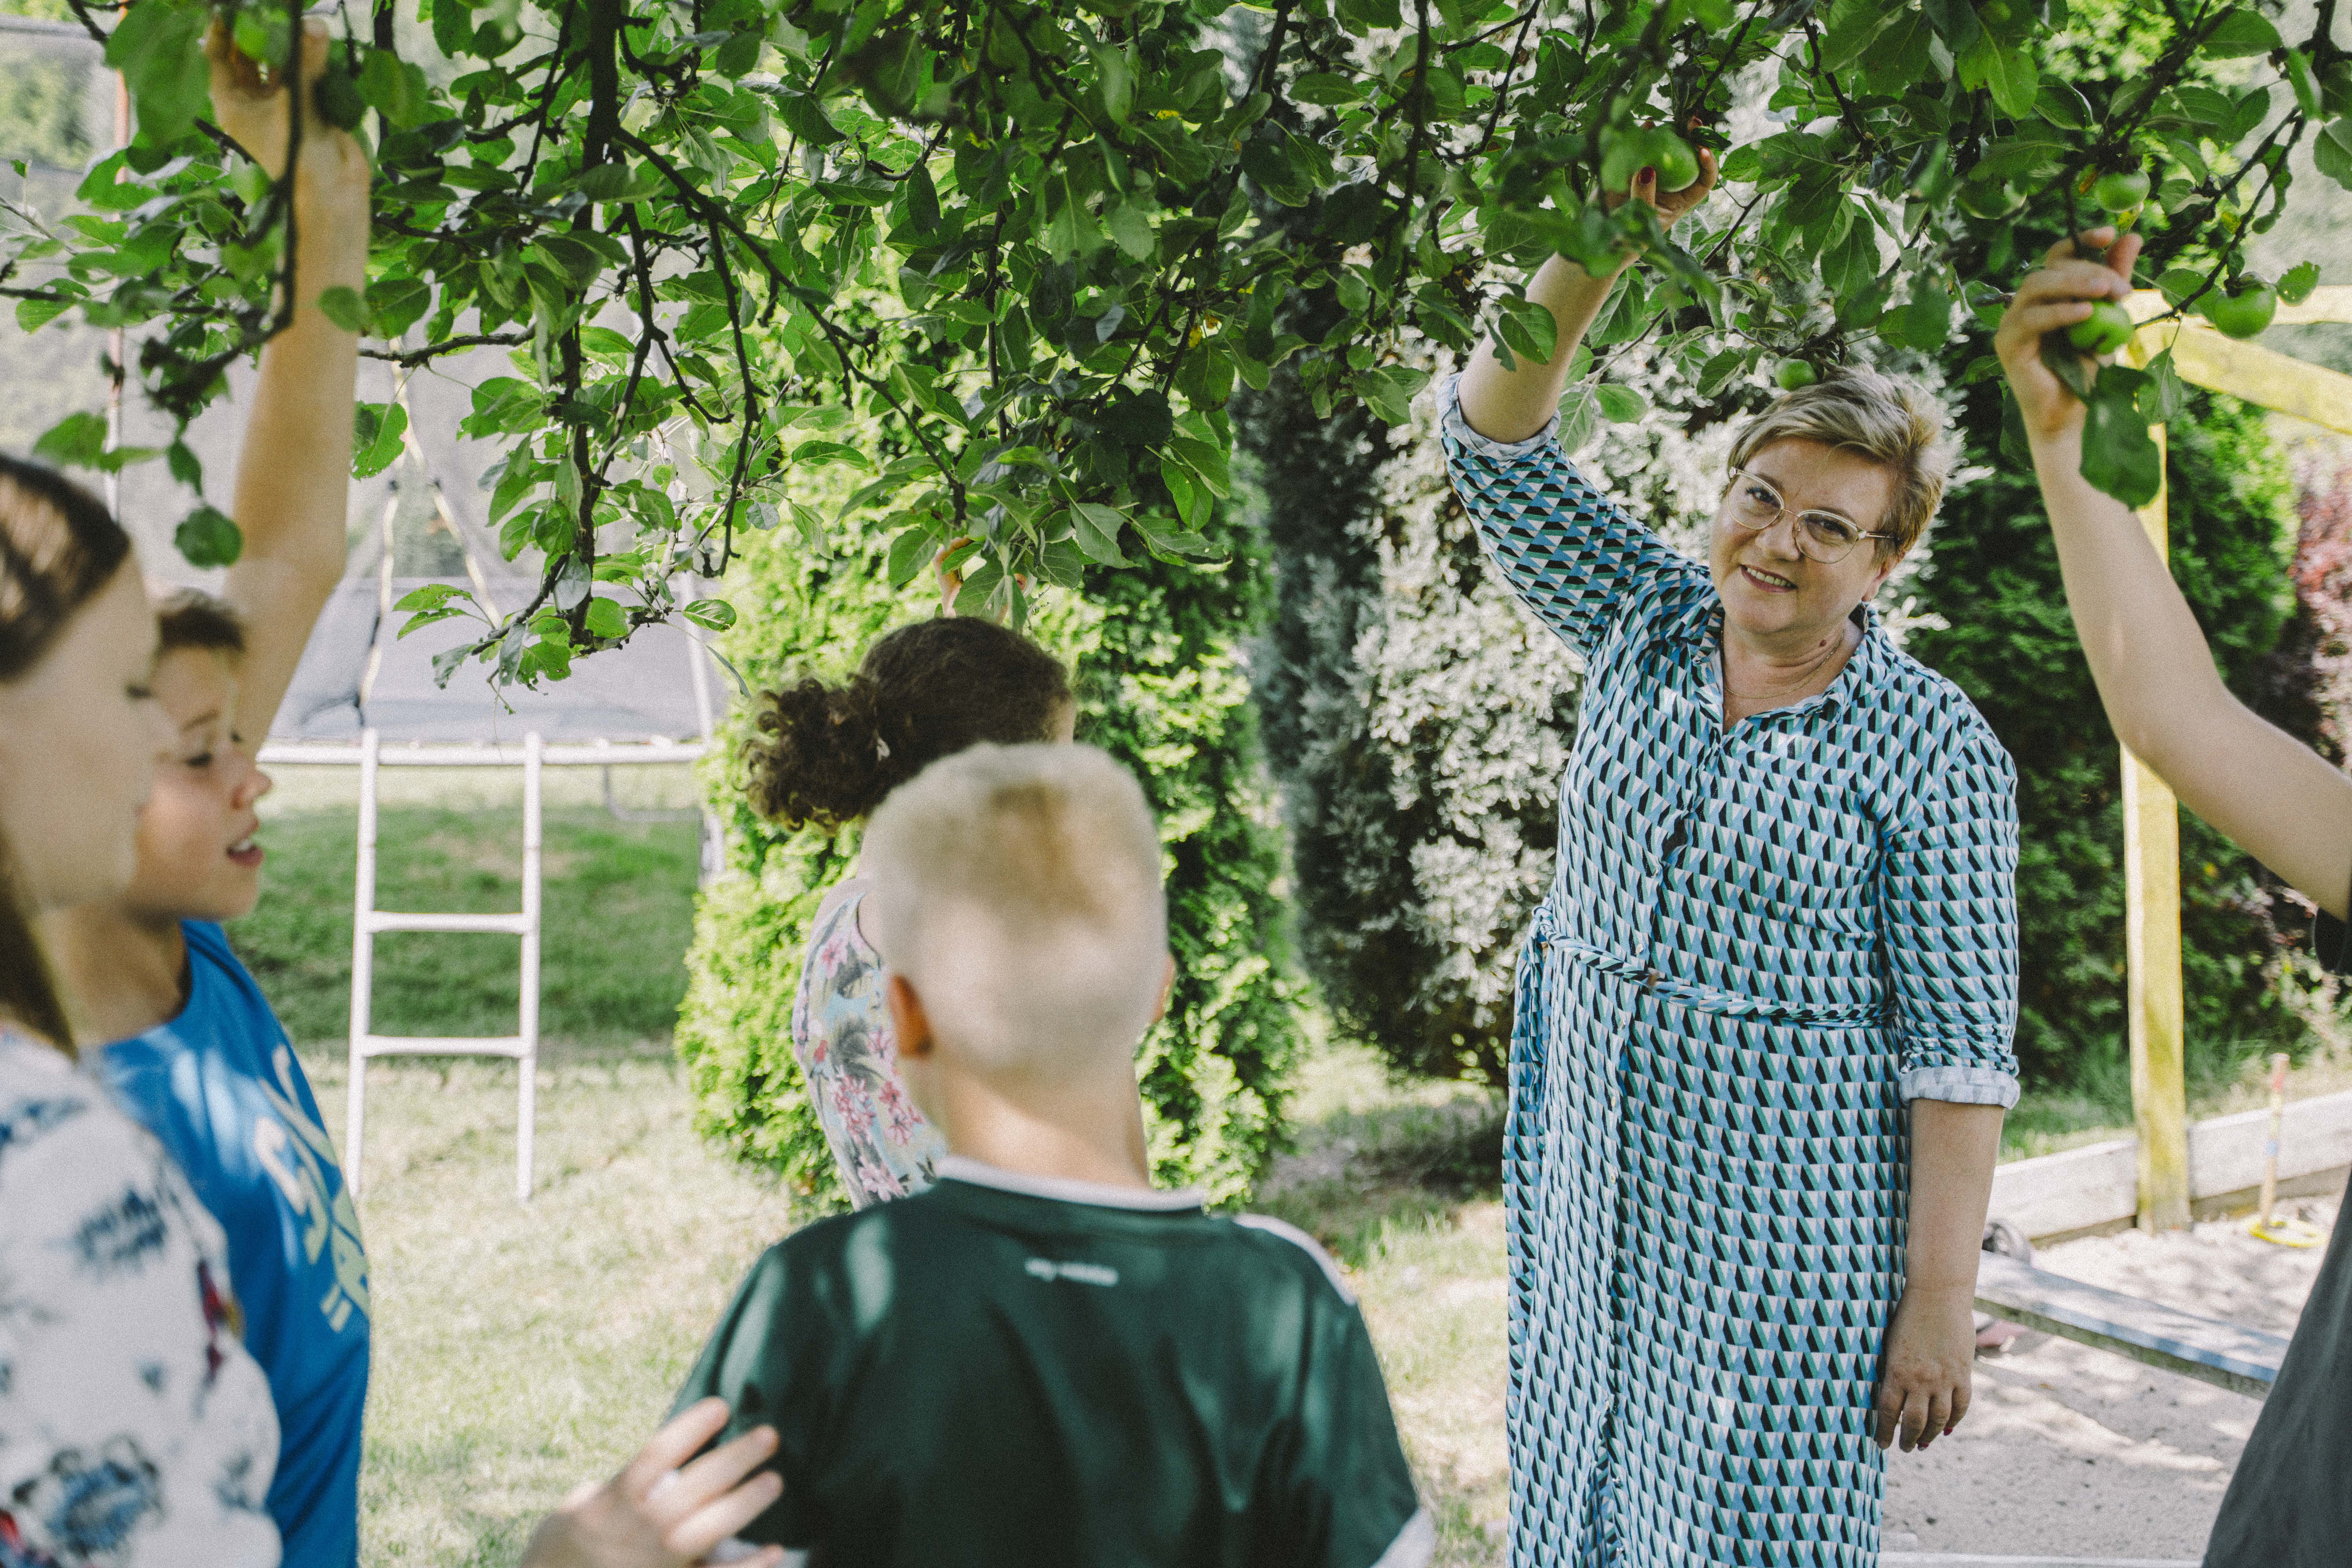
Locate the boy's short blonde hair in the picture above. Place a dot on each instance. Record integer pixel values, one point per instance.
(1889, 422)
(1017, 890)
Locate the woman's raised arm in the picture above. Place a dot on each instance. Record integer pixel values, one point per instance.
(2287, 806)
(1513, 404)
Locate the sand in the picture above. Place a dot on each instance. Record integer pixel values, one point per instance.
(2073, 1452)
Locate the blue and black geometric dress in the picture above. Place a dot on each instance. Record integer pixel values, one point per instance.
(1759, 945)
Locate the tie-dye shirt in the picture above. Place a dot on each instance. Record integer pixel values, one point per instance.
(849, 1059)
(135, 1432)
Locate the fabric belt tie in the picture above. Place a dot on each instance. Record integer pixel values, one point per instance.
(1698, 997)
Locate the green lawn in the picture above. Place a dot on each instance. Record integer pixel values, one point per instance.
(522, 1349)
(619, 910)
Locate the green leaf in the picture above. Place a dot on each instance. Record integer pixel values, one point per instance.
(908, 553)
(156, 46)
(2164, 397)
(1327, 90)
(1388, 392)
(207, 538)
(1130, 224)
(2065, 361)
(1900, 55)
(2306, 84)
(2331, 150)
(1620, 404)
(1926, 322)
(2241, 32)
(33, 314)
(2058, 103)
(76, 441)
(805, 119)
(1096, 527)
(2295, 286)
(2013, 81)
(712, 615)
(1529, 328)
(605, 619)
(396, 304)
(1114, 80)
(397, 88)
(376, 432)
(2177, 283)
(2117, 455)
(341, 305)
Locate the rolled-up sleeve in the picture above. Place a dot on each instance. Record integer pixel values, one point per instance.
(1571, 555)
(1951, 927)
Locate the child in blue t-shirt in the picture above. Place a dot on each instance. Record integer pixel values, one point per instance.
(199, 1058)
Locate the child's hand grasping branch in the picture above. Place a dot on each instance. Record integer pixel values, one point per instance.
(250, 102)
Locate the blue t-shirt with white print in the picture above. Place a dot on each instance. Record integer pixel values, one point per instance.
(220, 1088)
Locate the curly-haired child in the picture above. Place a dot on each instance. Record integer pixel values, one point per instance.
(829, 754)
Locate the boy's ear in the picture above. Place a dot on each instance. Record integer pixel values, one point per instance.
(910, 1027)
(1167, 987)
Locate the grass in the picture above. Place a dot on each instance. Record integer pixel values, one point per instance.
(521, 1350)
(618, 913)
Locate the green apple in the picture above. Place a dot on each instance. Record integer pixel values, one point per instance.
(1986, 201)
(1794, 374)
(2243, 311)
(2107, 328)
(2120, 190)
(1677, 164)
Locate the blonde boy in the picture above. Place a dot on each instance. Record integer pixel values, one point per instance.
(1044, 1360)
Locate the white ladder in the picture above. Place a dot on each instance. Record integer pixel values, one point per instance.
(522, 1047)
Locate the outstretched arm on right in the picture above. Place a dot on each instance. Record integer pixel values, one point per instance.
(1513, 404)
(2285, 805)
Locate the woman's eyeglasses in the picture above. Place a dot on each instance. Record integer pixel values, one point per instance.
(1755, 504)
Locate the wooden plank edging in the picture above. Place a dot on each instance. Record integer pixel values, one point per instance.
(2243, 1361)
(2099, 1184)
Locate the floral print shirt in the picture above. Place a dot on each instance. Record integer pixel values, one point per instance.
(841, 1037)
(135, 1432)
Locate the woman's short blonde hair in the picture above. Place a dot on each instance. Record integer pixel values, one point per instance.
(1889, 422)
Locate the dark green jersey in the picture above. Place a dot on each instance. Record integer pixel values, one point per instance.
(1008, 1369)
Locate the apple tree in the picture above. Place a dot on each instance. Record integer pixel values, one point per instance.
(1037, 247)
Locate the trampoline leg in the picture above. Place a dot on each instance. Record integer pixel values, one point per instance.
(363, 958)
(527, 1064)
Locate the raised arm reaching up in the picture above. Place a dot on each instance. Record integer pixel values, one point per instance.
(1513, 404)
(294, 472)
(2283, 802)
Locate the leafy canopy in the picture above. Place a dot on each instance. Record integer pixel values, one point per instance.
(1041, 245)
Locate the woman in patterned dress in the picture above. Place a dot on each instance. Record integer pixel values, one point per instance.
(829, 754)
(1762, 1045)
(2290, 1503)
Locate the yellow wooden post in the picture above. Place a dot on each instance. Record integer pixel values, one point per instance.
(2152, 951)
(2151, 815)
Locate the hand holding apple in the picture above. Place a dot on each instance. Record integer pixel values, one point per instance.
(2065, 294)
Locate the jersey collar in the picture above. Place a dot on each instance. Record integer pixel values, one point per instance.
(1098, 1195)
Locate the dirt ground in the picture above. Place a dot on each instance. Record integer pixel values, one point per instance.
(2072, 1452)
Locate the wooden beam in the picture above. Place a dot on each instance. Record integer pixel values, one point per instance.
(2264, 377)
(2153, 1008)
(2243, 1361)
(2333, 303)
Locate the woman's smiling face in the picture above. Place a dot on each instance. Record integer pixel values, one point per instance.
(1771, 589)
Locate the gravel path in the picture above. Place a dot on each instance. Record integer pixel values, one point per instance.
(2070, 1451)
